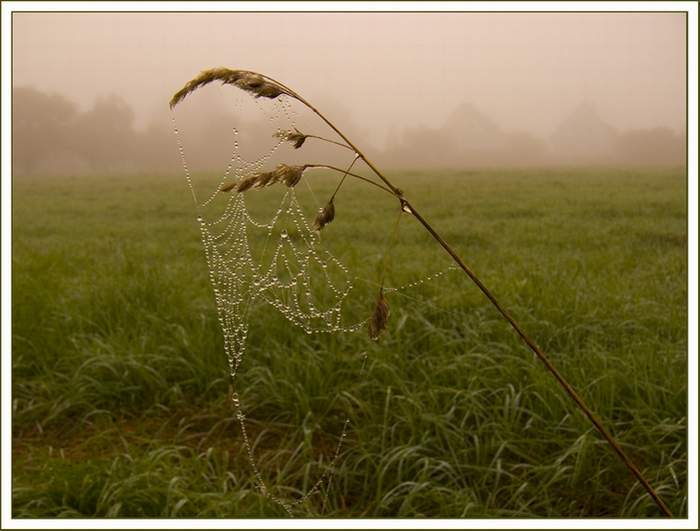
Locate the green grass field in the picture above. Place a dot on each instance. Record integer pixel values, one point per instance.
(120, 381)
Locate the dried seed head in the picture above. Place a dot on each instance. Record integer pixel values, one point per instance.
(296, 137)
(325, 215)
(246, 183)
(259, 86)
(229, 187)
(264, 179)
(377, 322)
(289, 175)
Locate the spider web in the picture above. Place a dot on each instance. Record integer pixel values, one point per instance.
(280, 263)
(284, 281)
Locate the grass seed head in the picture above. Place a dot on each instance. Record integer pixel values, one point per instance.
(264, 179)
(229, 187)
(380, 317)
(296, 137)
(257, 85)
(246, 183)
(325, 215)
(289, 175)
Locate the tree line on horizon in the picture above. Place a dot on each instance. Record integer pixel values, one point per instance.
(50, 135)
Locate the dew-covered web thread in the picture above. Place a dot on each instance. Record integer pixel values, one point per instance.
(289, 276)
(281, 279)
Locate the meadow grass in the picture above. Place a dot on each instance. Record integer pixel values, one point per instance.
(120, 380)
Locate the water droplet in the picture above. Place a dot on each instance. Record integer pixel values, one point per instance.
(285, 235)
(405, 207)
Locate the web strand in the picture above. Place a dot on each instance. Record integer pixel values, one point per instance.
(290, 274)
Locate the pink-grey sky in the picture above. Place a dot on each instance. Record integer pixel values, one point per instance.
(525, 70)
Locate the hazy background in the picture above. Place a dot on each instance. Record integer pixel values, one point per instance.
(413, 90)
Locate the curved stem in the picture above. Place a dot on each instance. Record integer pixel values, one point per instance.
(407, 207)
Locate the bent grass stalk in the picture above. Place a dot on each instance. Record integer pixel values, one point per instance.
(260, 85)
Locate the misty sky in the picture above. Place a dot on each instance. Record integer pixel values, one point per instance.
(388, 70)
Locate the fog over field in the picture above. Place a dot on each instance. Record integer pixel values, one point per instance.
(221, 339)
(414, 90)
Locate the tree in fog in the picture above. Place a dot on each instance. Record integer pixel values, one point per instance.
(41, 130)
